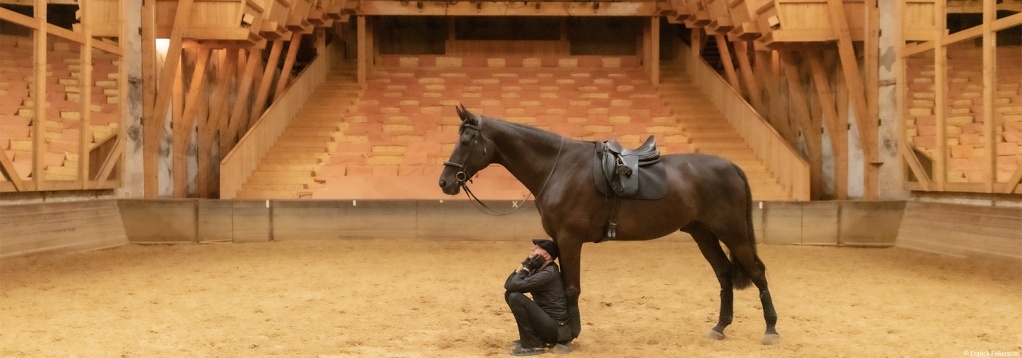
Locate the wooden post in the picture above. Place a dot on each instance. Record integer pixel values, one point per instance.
(38, 144)
(267, 80)
(871, 65)
(362, 46)
(209, 129)
(149, 84)
(183, 128)
(85, 132)
(810, 129)
(939, 93)
(153, 129)
(850, 67)
(654, 51)
(838, 133)
(989, 91)
(697, 44)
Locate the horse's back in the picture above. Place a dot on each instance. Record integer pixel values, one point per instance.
(693, 176)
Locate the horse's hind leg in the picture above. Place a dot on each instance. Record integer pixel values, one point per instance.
(714, 254)
(746, 256)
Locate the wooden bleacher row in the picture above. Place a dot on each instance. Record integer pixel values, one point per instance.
(62, 125)
(392, 141)
(964, 112)
(230, 22)
(780, 24)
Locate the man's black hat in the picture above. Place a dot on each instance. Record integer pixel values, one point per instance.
(550, 246)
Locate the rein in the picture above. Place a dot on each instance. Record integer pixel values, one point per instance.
(479, 204)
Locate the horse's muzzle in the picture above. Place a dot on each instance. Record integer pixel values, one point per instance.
(449, 189)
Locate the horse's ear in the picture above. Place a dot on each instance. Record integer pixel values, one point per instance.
(461, 114)
(467, 116)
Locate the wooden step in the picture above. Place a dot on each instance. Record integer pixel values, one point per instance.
(256, 179)
(273, 187)
(267, 194)
(309, 168)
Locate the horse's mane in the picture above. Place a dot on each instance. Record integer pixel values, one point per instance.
(524, 127)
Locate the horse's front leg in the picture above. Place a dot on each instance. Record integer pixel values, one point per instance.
(571, 259)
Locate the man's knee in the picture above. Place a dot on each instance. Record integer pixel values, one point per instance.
(514, 296)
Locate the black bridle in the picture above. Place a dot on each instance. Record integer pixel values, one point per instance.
(463, 178)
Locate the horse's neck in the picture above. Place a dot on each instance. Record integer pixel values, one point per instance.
(529, 156)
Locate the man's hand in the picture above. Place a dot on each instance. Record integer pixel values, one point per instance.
(534, 262)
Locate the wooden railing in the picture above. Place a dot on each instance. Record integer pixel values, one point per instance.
(790, 169)
(239, 164)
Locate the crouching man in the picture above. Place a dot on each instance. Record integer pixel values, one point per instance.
(543, 320)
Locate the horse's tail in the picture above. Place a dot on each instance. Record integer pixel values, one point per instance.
(739, 274)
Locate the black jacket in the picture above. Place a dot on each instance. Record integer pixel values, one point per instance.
(546, 287)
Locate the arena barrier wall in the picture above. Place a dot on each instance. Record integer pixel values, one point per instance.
(962, 230)
(90, 225)
(849, 223)
(60, 227)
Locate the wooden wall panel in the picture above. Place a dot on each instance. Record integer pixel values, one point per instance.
(60, 227)
(159, 221)
(297, 220)
(251, 221)
(869, 223)
(962, 230)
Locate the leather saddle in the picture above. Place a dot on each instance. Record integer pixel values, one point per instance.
(628, 173)
(622, 169)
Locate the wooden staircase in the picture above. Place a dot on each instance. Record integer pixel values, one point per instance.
(290, 167)
(709, 132)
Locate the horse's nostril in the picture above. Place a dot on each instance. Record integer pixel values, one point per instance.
(443, 183)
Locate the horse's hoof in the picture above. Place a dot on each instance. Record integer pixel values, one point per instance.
(716, 335)
(769, 339)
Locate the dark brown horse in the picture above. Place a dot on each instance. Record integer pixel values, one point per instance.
(708, 197)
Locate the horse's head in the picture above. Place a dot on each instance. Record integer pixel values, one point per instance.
(469, 155)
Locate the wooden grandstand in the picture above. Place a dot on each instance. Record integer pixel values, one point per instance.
(373, 105)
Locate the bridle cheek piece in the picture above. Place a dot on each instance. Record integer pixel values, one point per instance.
(461, 176)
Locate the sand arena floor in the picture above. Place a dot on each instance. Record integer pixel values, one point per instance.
(408, 298)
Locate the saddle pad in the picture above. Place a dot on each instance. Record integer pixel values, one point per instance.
(652, 181)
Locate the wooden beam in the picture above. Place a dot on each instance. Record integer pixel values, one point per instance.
(464, 8)
(810, 130)
(914, 164)
(850, 67)
(149, 84)
(729, 66)
(109, 163)
(267, 80)
(8, 170)
(1012, 183)
(209, 129)
(228, 139)
(838, 133)
(153, 129)
(742, 54)
(183, 128)
(289, 63)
